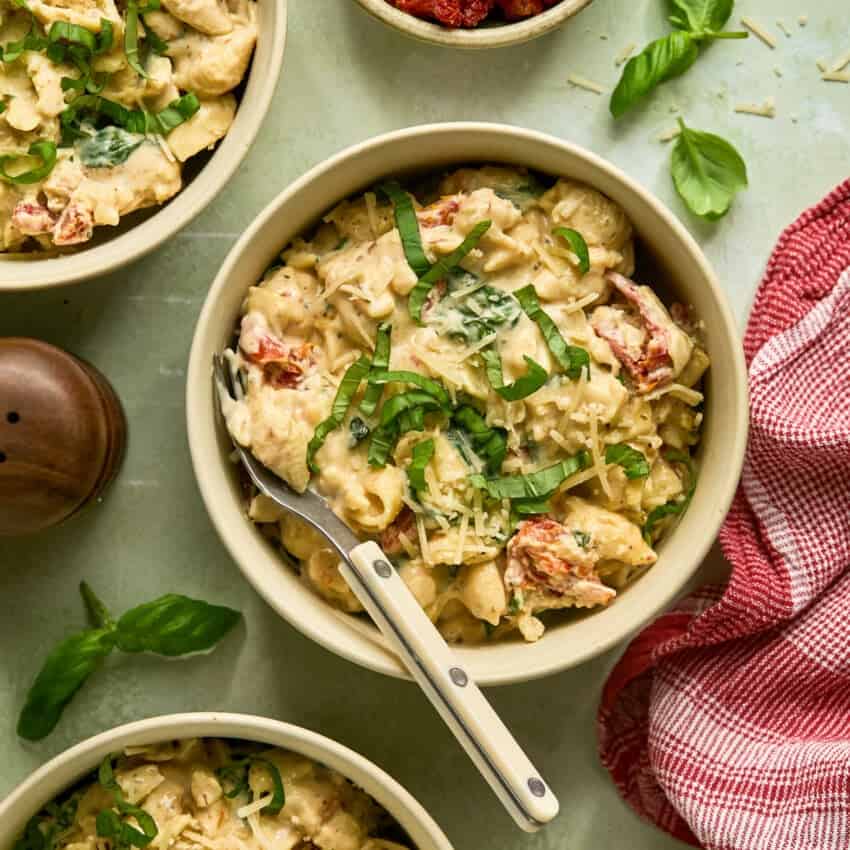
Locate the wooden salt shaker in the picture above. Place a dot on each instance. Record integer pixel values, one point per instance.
(62, 435)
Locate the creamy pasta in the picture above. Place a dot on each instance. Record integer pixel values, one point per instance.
(211, 794)
(103, 101)
(475, 382)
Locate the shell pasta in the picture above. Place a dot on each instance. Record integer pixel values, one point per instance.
(468, 372)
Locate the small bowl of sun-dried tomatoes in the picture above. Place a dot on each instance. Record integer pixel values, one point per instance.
(474, 23)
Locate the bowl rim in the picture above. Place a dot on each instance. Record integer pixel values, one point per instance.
(74, 762)
(202, 423)
(145, 237)
(480, 38)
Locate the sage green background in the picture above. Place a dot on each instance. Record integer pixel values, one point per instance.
(346, 78)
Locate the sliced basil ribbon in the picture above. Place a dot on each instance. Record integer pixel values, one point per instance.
(676, 506)
(408, 227)
(530, 507)
(491, 444)
(571, 358)
(43, 150)
(422, 454)
(384, 439)
(427, 384)
(398, 404)
(442, 268)
(534, 485)
(176, 113)
(522, 387)
(634, 463)
(131, 33)
(577, 245)
(380, 363)
(342, 401)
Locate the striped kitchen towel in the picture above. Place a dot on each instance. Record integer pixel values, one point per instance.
(727, 721)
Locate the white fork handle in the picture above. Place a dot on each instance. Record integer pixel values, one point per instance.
(463, 707)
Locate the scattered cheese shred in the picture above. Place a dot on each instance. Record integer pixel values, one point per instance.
(836, 77)
(803, 20)
(823, 67)
(766, 110)
(686, 394)
(407, 544)
(781, 24)
(423, 540)
(371, 212)
(841, 63)
(670, 134)
(474, 349)
(759, 32)
(777, 70)
(461, 538)
(598, 462)
(625, 54)
(586, 301)
(478, 514)
(250, 808)
(584, 83)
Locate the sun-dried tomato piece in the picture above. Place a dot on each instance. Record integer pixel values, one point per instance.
(450, 13)
(404, 523)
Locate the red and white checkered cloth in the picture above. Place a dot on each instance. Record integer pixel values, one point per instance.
(727, 721)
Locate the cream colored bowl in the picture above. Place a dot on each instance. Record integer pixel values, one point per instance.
(62, 772)
(143, 231)
(486, 35)
(576, 637)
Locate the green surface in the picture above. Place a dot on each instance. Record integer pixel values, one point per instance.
(346, 78)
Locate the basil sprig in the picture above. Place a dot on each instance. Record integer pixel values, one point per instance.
(679, 505)
(662, 60)
(235, 778)
(533, 485)
(634, 463)
(342, 401)
(571, 358)
(42, 150)
(534, 378)
(422, 454)
(171, 625)
(442, 268)
(380, 363)
(577, 245)
(408, 227)
(707, 172)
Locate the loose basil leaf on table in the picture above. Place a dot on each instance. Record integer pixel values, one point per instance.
(577, 245)
(442, 268)
(633, 462)
(571, 358)
(707, 171)
(524, 386)
(422, 454)
(701, 15)
(174, 625)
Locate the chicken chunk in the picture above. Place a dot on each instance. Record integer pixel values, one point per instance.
(88, 14)
(209, 124)
(207, 16)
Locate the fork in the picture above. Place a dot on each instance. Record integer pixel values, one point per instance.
(421, 648)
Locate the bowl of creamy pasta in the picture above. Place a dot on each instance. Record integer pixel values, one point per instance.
(474, 24)
(192, 781)
(120, 121)
(509, 365)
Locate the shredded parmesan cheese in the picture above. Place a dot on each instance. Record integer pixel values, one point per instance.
(461, 540)
(670, 134)
(584, 83)
(686, 394)
(474, 349)
(766, 110)
(625, 54)
(372, 213)
(823, 67)
(781, 24)
(777, 70)
(423, 540)
(478, 514)
(841, 63)
(759, 32)
(250, 808)
(598, 462)
(407, 545)
(803, 20)
(581, 304)
(836, 77)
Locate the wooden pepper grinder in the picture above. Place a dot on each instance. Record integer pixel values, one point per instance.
(62, 435)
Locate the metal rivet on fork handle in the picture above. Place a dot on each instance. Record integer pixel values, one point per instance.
(459, 677)
(383, 569)
(536, 787)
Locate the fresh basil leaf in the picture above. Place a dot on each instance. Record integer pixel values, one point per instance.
(534, 485)
(278, 799)
(93, 109)
(662, 60)
(235, 781)
(701, 15)
(3, 106)
(67, 34)
(707, 172)
(176, 113)
(97, 611)
(577, 245)
(530, 507)
(582, 538)
(359, 431)
(634, 463)
(481, 312)
(342, 401)
(516, 602)
(131, 33)
(522, 194)
(63, 674)
(571, 358)
(408, 227)
(412, 419)
(108, 147)
(491, 444)
(31, 41)
(106, 774)
(674, 507)
(33, 837)
(105, 38)
(524, 386)
(109, 824)
(422, 454)
(396, 405)
(442, 268)
(430, 386)
(174, 625)
(41, 150)
(382, 444)
(158, 45)
(380, 363)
